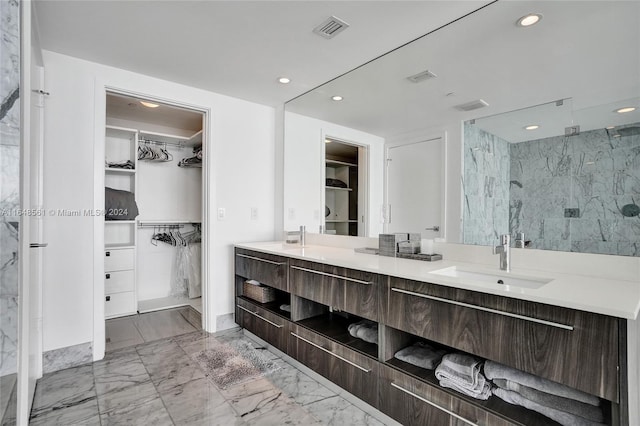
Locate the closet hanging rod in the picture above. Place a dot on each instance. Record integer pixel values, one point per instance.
(156, 223)
(179, 144)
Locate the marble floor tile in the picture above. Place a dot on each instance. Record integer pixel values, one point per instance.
(195, 401)
(64, 389)
(126, 398)
(118, 374)
(84, 412)
(336, 411)
(162, 324)
(150, 413)
(121, 333)
(298, 386)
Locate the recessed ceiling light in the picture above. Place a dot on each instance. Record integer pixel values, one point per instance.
(625, 109)
(529, 19)
(149, 104)
(336, 98)
(284, 80)
(532, 127)
(327, 141)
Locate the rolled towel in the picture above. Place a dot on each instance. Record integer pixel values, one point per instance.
(421, 354)
(494, 370)
(365, 330)
(565, 419)
(285, 307)
(253, 282)
(461, 372)
(567, 405)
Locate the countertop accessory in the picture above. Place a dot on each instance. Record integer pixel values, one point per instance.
(504, 250)
(421, 256)
(291, 237)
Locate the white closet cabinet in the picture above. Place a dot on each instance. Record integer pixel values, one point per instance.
(120, 235)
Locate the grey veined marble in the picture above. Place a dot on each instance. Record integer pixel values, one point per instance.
(564, 193)
(9, 181)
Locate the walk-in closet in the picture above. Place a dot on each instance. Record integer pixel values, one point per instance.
(153, 206)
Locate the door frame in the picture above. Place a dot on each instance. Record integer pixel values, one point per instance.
(443, 175)
(101, 89)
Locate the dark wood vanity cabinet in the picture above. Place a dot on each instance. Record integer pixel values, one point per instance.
(264, 324)
(548, 341)
(266, 268)
(349, 290)
(352, 371)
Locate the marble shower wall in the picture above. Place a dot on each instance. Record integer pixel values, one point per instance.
(485, 186)
(567, 193)
(9, 181)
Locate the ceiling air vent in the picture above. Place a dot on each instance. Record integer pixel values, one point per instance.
(331, 27)
(421, 76)
(470, 106)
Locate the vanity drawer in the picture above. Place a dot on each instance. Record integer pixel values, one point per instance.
(120, 304)
(352, 371)
(268, 269)
(404, 398)
(119, 281)
(349, 290)
(264, 324)
(544, 340)
(119, 259)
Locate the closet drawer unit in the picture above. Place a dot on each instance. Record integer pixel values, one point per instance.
(352, 371)
(411, 401)
(544, 340)
(119, 281)
(264, 324)
(120, 304)
(349, 290)
(268, 269)
(119, 259)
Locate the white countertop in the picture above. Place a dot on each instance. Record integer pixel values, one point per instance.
(619, 298)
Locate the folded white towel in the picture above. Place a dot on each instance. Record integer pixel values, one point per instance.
(461, 372)
(564, 418)
(421, 354)
(494, 370)
(253, 282)
(365, 330)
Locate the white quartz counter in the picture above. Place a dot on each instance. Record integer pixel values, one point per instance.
(619, 298)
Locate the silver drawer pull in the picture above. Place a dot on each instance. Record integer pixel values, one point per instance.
(482, 308)
(451, 413)
(330, 353)
(261, 260)
(326, 274)
(255, 314)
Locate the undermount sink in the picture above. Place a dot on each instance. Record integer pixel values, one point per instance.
(490, 278)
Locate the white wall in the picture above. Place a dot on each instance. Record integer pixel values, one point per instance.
(241, 152)
(304, 166)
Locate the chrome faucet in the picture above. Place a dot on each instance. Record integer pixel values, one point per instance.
(520, 242)
(505, 253)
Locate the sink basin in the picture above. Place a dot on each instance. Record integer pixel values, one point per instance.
(490, 278)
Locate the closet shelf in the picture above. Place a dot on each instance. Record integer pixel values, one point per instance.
(119, 246)
(118, 170)
(337, 188)
(120, 222)
(336, 163)
(175, 140)
(340, 221)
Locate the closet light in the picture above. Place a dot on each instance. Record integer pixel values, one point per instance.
(149, 104)
(532, 127)
(284, 80)
(336, 98)
(625, 109)
(529, 19)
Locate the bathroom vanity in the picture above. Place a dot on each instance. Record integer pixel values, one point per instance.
(529, 324)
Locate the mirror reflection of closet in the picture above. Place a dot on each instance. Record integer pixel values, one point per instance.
(155, 259)
(345, 188)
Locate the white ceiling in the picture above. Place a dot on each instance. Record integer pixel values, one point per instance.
(237, 48)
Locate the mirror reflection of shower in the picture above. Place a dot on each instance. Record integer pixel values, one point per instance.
(570, 183)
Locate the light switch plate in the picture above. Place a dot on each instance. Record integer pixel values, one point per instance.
(222, 213)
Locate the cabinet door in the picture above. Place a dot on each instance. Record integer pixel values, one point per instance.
(270, 327)
(544, 340)
(268, 269)
(352, 371)
(412, 402)
(119, 304)
(353, 291)
(119, 259)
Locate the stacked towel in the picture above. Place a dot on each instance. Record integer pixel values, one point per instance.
(461, 372)
(561, 403)
(421, 354)
(365, 330)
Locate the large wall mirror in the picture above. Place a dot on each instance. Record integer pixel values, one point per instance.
(479, 80)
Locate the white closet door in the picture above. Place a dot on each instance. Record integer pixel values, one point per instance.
(414, 187)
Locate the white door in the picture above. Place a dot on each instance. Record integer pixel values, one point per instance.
(414, 188)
